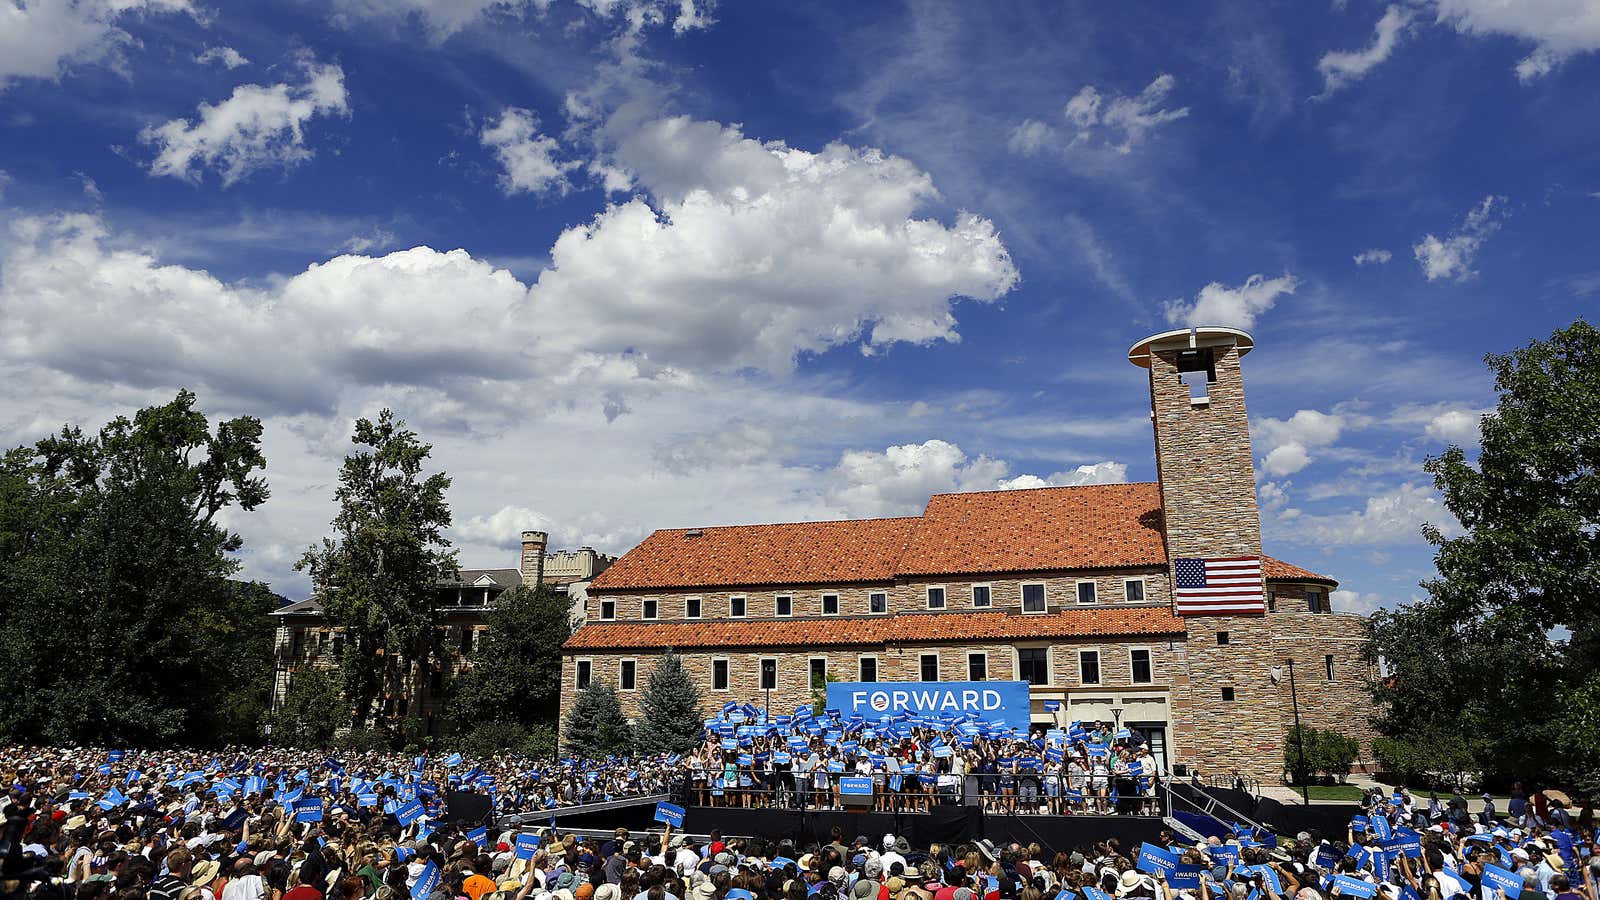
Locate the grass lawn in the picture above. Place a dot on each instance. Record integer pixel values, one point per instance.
(1347, 792)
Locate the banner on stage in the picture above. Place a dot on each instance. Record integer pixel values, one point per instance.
(997, 702)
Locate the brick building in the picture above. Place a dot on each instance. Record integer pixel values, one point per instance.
(1069, 589)
(304, 639)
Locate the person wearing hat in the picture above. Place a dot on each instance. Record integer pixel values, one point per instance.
(202, 874)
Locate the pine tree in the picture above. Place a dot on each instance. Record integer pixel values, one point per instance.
(670, 718)
(595, 726)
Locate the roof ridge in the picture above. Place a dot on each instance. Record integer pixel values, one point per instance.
(1047, 487)
(916, 517)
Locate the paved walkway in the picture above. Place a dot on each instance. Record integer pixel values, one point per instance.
(1285, 794)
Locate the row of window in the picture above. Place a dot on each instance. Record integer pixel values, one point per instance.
(1033, 666)
(1031, 595)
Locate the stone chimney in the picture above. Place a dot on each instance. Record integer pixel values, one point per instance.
(532, 568)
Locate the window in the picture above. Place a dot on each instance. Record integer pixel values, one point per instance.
(467, 636)
(877, 602)
(1272, 601)
(1227, 695)
(338, 644)
(869, 668)
(783, 605)
(735, 607)
(1139, 666)
(297, 643)
(1089, 666)
(1327, 663)
(769, 674)
(1085, 592)
(1222, 639)
(929, 663)
(582, 672)
(819, 672)
(649, 608)
(1033, 598)
(830, 604)
(627, 675)
(1133, 590)
(1033, 665)
(719, 674)
(980, 596)
(691, 608)
(608, 610)
(1314, 601)
(977, 667)
(936, 598)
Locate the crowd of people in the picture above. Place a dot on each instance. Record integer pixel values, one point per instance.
(169, 843)
(808, 760)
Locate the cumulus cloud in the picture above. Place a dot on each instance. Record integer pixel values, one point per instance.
(1393, 517)
(1288, 442)
(755, 253)
(257, 127)
(45, 38)
(1455, 426)
(898, 480)
(1356, 602)
(1218, 304)
(1452, 256)
(1343, 67)
(1373, 257)
(527, 158)
(502, 528)
(1095, 120)
(226, 56)
(1106, 472)
(1558, 29)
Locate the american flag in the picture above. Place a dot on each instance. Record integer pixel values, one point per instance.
(1220, 587)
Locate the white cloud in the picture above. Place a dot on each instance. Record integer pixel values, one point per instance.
(755, 253)
(1288, 442)
(1340, 68)
(1453, 255)
(1096, 121)
(1286, 460)
(1237, 307)
(527, 158)
(503, 528)
(1455, 426)
(45, 38)
(1355, 602)
(1106, 472)
(1558, 29)
(1393, 517)
(898, 480)
(443, 18)
(257, 127)
(1273, 495)
(1373, 257)
(227, 56)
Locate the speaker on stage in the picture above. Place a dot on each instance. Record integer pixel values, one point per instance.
(464, 806)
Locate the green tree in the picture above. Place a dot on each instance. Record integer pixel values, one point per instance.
(595, 725)
(120, 620)
(516, 671)
(376, 578)
(1525, 565)
(670, 717)
(312, 710)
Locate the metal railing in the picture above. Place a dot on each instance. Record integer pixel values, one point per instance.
(1027, 793)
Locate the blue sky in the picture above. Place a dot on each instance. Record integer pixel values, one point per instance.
(633, 264)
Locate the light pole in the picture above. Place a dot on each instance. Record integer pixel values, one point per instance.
(1299, 736)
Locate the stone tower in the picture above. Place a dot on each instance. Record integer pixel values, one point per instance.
(1203, 461)
(532, 566)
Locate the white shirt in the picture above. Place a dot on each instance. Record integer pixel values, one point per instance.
(249, 887)
(889, 858)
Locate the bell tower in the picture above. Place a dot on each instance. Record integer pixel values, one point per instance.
(1202, 431)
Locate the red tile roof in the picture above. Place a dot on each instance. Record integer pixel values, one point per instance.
(1278, 570)
(856, 630)
(789, 554)
(1090, 527)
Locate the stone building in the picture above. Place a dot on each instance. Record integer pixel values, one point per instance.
(305, 640)
(1069, 589)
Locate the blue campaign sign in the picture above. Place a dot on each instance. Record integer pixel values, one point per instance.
(426, 881)
(1224, 855)
(1094, 893)
(479, 836)
(1380, 827)
(1184, 877)
(1153, 859)
(670, 814)
(308, 810)
(526, 845)
(408, 813)
(1354, 887)
(1327, 858)
(1002, 702)
(1410, 845)
(856, 786)
(1496, 877)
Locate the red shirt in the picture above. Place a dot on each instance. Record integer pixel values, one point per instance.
(303, 892)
